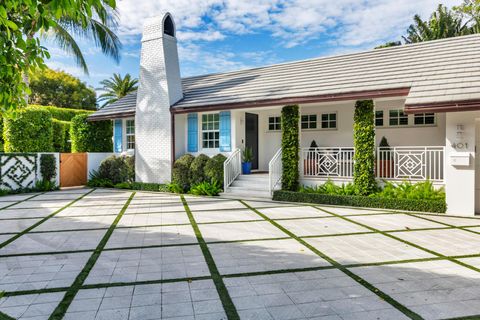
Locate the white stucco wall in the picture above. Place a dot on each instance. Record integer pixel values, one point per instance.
(460, 180)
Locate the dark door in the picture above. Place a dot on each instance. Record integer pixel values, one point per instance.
(251, 136)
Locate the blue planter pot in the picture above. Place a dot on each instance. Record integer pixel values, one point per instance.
(246, 167)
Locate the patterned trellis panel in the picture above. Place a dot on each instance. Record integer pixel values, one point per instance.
(18, 171)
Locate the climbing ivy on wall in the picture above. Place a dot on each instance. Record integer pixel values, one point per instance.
(364, 142)
(290, 147)
(18, 170)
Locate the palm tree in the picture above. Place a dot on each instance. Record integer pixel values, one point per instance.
(116, 87)
(443, 23)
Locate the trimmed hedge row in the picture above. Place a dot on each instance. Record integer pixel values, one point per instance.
(90, 136)
(290, 147)
(63, 114)
(437, 206)
(29, 131)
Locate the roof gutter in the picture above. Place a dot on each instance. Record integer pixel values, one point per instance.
(452, 106)
(358, 95)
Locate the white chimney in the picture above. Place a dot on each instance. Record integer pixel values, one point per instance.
(159, 87)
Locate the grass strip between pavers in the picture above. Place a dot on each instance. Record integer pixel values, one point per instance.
(382, 295)
(225, 298)
(18, 235)
(432, 252)
(62, 307)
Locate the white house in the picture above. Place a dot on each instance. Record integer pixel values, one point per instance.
(426, 95)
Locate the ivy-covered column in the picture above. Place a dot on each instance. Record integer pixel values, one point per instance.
(364, 143)
(290, 147)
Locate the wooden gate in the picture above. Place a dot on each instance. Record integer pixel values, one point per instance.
(73, 169)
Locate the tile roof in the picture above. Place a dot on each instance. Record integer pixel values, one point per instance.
(436, 72)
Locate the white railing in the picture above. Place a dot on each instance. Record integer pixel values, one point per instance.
(410, 163)
(232, 167)
(327, 162)
(392, 163)
(275, 169)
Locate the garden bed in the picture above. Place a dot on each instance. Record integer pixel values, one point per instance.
(437, 206)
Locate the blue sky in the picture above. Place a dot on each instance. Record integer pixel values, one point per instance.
(223, 35)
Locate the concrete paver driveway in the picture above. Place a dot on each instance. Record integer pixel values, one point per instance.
(112, 254)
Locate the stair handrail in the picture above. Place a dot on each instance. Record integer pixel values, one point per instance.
(275, 170)
(232, 167)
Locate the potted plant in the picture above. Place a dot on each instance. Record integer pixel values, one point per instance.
(247, 158)
(309, 161)
(385, 161)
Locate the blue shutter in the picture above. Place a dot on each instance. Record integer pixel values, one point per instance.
(225, 132)
(192, 145)
(117, 136)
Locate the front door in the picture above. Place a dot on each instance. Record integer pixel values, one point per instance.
(251, 136)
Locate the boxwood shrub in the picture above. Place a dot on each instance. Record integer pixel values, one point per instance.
(438, 206)
(29, 131)
(197, 169)
(214, 168)
(90, 136)
(114, 170)
(181, 171)
(290, 147)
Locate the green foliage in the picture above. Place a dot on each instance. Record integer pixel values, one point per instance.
(45, 185)
(116, 87)
(389, 44)
(438, 206)
(330, 188)
(60, 89)
(175, 188)
(21, 22)
(206, 189)
(48, 167)
(142, 186)
(181, 171)
(114, 170)
(290, 147)
(64, 114)
(407, 190)
(214, 168)
(364, 143)
(96, 182)
(197, 169)
(247, 155)
(1, 134)
(29, 131)
(61, 135)
(90, 136)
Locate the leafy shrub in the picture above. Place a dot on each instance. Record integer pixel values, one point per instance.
(174, 188)
(48, 167)
(29, 131)
(45, 185)
(115, 170)
(60, 135)
(1, 133)
(406, 190)
(438, 206)
(364, 143)
(63, 114)
(290, 147)
(90, 136)
(206, 189)
(330, 188)
(181, 171)
(95, 182)
(214, 168)
(197, 169)
(141, 186)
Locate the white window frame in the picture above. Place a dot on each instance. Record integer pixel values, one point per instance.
(400, 111)
(129, 134)
(216, 141)
(384, 118)
(321, 121)
(423, 116)
(275, 123)
(309, 122)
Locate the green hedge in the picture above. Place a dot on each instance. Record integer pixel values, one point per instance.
(29, 131)
(437, 206)
(61, 135)
(197, 169)
(290, 147)
(181, 171)
(1, 134)
(63, 114)
(214, 168)
(90, 136)
(364, 143)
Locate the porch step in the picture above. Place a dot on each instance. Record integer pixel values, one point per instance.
(249, 187)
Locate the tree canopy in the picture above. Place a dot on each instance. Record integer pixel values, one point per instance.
(21, 21)
(116, 87)
(60, 89)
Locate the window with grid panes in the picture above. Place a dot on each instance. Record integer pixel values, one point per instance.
(329, 121)
(397, 118)
(309, 121)
(130, 134)
(210, 130)
(274, 123)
